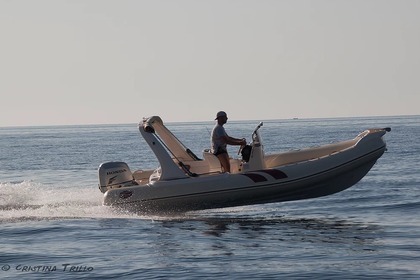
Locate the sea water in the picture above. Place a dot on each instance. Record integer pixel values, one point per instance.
(53, 224)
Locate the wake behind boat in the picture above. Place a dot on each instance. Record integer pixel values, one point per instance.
(185, 182)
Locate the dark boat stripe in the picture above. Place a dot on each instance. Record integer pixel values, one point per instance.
(275, 173)
(255, 177)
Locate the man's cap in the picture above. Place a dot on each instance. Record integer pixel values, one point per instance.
(220, 114)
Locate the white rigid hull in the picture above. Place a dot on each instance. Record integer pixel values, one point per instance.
(293, 175)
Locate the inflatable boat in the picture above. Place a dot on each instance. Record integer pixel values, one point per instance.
(186, 182)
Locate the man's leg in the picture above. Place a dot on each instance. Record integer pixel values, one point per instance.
(224, 161)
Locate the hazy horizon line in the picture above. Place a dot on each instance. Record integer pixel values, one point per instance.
(210, 121)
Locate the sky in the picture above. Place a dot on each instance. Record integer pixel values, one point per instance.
(117, 61)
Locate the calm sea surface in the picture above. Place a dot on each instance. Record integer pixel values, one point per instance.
(53, 226)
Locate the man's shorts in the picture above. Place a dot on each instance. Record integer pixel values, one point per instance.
(220, 151)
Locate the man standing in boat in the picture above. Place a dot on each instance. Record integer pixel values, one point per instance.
(220, 140)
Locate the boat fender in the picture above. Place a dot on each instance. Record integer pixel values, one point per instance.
(246, 152)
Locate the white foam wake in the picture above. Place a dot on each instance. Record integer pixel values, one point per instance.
(28, 200)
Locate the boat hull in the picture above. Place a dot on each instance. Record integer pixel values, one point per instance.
(315, 178)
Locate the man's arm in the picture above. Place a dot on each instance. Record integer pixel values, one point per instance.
(234, 141)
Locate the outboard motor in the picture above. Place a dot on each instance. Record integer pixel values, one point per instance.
(115, 175)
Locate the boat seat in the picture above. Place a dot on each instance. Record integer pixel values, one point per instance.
(212, 160)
